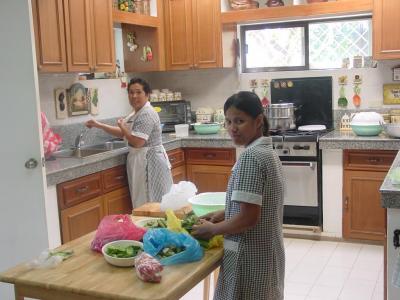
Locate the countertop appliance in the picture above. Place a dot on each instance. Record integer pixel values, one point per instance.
(298, 149)
(172, 113)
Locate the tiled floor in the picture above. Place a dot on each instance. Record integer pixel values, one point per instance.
(321, 270)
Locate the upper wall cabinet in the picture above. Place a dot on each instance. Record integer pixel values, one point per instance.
(386, 20)
(48, 17)
(74, 35)
(193, 34)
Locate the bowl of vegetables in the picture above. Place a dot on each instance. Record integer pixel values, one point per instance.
(122, 253)
(152, 223)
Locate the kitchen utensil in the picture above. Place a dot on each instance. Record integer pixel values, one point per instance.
(117, 261)
(205, 203)
(312, 127)
(281, 116)
(209, 128)
(392, 129)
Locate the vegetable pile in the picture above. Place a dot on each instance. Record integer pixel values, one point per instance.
(157, 223)
(123, 251)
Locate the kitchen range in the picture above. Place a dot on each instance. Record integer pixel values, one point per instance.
(307, 114)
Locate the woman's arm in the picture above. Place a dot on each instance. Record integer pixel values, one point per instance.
(247, 218)
(134, 141)
(113, 130)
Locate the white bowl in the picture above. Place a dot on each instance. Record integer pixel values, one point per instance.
(121, 262)
(143, 222)
(392, 129)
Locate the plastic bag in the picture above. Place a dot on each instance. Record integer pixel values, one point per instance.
(116, 227)
(51, 140)
(178, 195)
(148, 268)
(173, 223)
(157, 239)
(49, 259)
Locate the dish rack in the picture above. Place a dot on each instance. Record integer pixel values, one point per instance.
(243, 4)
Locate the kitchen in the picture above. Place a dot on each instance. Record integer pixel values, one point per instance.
(198, 86)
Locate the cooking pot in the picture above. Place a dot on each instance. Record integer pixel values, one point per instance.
(281, 116)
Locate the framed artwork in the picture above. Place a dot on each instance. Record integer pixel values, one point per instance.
(60, 97)
(93, 96)
(78, 103)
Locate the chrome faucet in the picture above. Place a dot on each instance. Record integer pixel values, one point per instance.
(79, 139)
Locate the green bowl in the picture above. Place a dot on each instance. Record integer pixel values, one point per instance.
(366, 130)
(205, 203)
(206, 128)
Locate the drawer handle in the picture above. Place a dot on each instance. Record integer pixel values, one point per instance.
(121, 177)
(210, 155)
(374, 160)
(82, 189)
(172, 159)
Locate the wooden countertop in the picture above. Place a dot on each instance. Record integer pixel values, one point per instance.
(86, 276)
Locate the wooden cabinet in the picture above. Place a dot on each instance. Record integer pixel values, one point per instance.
(209, 168)
(193, 34)
(364, 172)
(177, 160)
(386, 25)
(84, 201)
(74, 35)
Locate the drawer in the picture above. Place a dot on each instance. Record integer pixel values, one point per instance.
(210, 156)
(176, 157)
(374, 160)
(114, 178)
(79, 190)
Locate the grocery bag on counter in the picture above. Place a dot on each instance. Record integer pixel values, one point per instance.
(156, 241)
(178, 195)
(51, 140)
(116, 227)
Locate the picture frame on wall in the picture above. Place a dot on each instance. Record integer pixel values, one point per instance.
(60, 98)
(78, 103)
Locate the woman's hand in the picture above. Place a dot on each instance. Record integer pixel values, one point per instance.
(214, 217)
(203, 231)
(122, 125)
(92, 123)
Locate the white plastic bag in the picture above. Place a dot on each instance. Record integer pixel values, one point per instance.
(178, 195)
(49, 259)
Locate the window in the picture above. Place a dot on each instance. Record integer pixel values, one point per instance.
(304, 45)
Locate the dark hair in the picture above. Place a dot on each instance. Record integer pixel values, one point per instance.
(249, 103)
(142, 82)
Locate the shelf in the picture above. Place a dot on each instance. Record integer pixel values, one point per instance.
(135, 19)
(339, 7)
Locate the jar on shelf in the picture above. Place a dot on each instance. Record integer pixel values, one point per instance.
(127, 5)
(143, 7)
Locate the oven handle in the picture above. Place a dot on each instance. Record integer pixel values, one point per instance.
(299, 164)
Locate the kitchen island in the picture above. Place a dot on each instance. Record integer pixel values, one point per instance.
(87, 276)
(390, 196)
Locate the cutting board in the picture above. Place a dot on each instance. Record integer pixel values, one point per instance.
(152, 209)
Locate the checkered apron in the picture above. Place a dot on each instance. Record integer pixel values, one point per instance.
(157, 170)
(253, 266)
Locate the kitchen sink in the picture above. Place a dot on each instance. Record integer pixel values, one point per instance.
(89, 150)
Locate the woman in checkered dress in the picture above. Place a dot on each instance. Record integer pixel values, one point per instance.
(253, 265)
(148, 167)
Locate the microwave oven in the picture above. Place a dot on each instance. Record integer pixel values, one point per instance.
(172, 113)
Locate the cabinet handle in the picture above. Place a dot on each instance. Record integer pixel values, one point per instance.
(119, 177)
(374, 160)
(346, 203)
(209, 155)
(195, 66)
(82, 189)
(172, 159)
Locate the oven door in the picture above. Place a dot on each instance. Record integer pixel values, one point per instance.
(301, 183)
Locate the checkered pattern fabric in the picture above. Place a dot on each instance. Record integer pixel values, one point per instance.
(146, 125)
(253, 266)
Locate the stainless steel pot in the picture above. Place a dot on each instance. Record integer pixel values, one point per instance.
(281, 116)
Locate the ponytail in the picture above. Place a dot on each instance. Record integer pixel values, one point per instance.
(265, 126)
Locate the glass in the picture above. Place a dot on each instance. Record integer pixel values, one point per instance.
(143, 7)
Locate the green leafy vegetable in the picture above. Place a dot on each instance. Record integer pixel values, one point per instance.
(123, 251)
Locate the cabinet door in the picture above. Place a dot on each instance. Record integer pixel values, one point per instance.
(178, 174)
(81, 219)
(102, 36)
(386, 25)
(207, 36)
(178, 34)
(114, 178)
(209, 178)
(78, 35)
(363, 216)
(118, 202)
(48, 19)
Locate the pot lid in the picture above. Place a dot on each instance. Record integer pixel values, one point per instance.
(311, 127)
